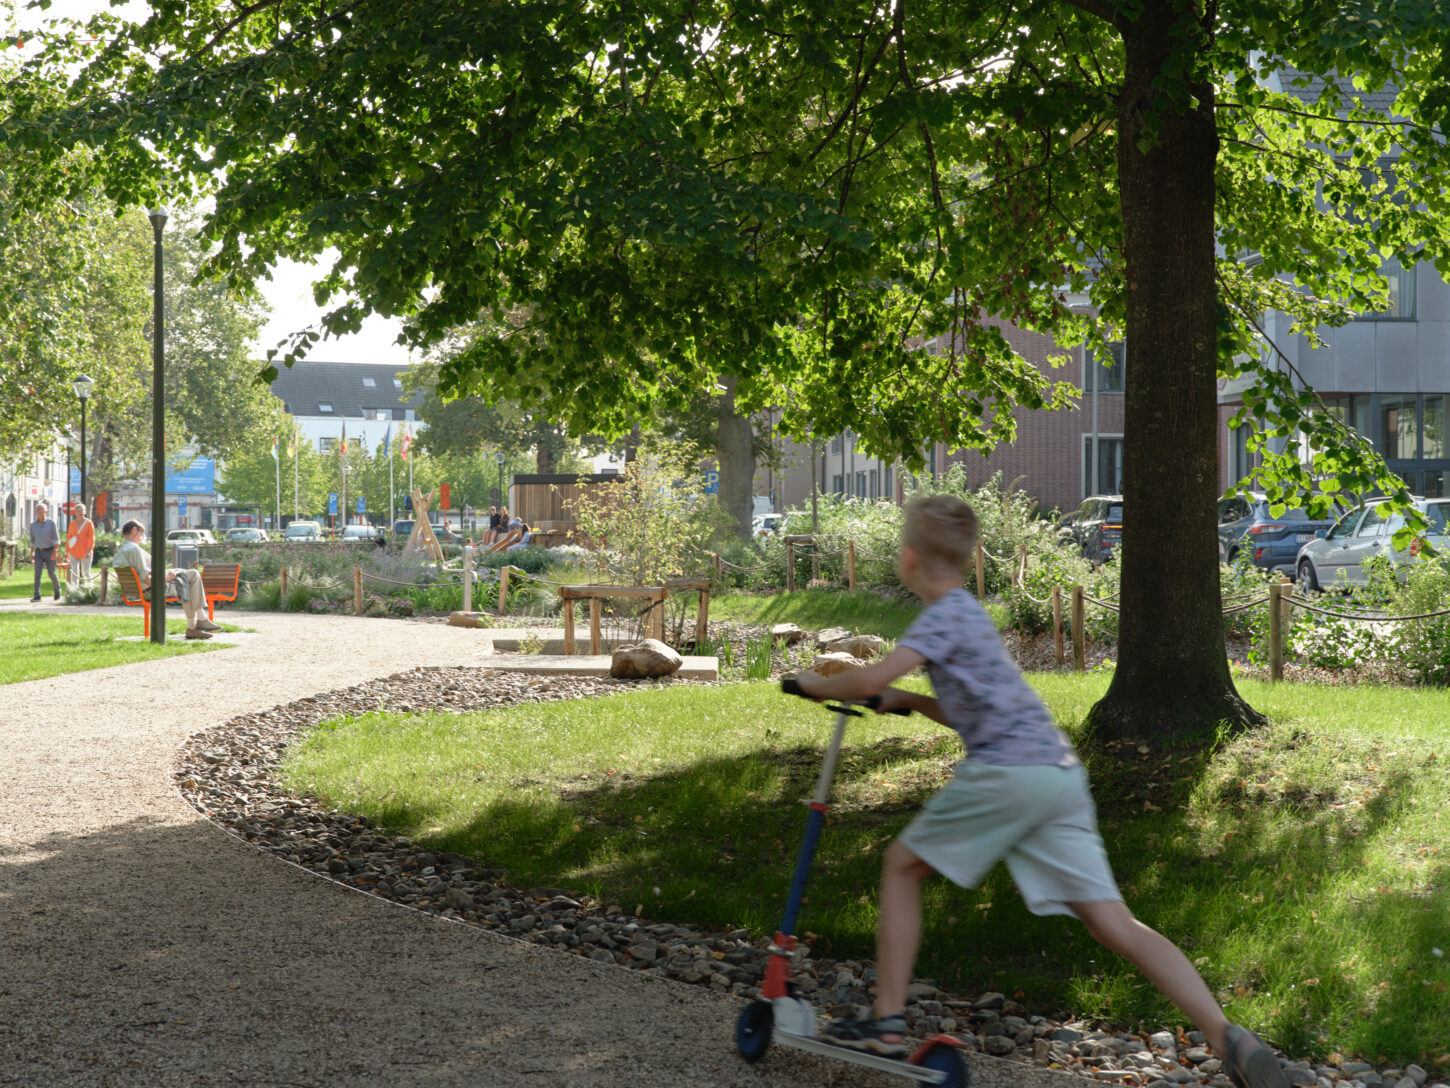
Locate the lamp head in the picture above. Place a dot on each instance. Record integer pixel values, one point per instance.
(499, 457)
(158, 216)
(83, 386)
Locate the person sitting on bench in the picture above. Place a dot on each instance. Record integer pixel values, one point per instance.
(185, 585)
(518, 525)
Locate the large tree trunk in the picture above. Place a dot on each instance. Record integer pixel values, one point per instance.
(544, 460)
(1172, 677)
(735, 454)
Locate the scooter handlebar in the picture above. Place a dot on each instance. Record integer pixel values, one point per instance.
(790, 686)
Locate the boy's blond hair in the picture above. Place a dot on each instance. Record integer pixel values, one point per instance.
(942, 531)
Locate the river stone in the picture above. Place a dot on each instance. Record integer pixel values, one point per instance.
(830, 635)
(468, 619)
(644, 661)
(862, 646)
(789, 633)
(830, 664)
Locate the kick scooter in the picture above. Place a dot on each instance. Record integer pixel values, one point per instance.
(781, 1016)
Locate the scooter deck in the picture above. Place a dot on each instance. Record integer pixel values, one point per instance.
(899, 1066)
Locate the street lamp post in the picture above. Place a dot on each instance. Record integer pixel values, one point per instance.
(344, 494)
(83, 386)
(158, 217)
(500, 459)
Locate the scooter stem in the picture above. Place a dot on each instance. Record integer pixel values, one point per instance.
(817, 821)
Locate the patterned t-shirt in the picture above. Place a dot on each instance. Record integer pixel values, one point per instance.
(1000, 718)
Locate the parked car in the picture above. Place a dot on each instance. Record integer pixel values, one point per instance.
(1337, 556)
(247, 536)
(765, 524)
(402, 529)
(361, 533)
(1273, 543)
(1096, 526)
(190, 536)
(303, 530)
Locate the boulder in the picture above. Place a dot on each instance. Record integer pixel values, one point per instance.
(469, 619)
(862, 646)
(831, 634)
(830, 664)
(789, 633)
(644, 661)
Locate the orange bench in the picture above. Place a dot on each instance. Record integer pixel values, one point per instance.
(219, 582)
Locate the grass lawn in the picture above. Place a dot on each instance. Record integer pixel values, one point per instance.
(49, 644)
(860, 611)
(1302, 868)
(22, 584)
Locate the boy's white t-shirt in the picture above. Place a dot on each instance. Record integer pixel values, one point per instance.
(1000, 718)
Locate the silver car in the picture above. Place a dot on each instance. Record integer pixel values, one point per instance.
(1337, 557)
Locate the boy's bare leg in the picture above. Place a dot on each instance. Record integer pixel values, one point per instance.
(1113, 926)
(899, 933)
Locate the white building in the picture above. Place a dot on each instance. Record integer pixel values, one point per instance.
(368, 397)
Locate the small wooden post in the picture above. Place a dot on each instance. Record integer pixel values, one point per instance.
(503, 588)
(850, 564)
(284, 583)
(1276, 631)
(790, 565)
(981, 573)
(1079, 636)
(468, 579)
(594, 625)
(357, 592)
(702, 620)
(105, 582)
(1021, 572)
(657, 617)
(1057, 622)
(719, 567)
(568, 626)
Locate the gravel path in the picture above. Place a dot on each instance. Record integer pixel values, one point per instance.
(139, 945)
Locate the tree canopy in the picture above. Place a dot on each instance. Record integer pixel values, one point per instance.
(784, 202)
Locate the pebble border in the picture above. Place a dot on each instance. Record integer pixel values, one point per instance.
(226, 771)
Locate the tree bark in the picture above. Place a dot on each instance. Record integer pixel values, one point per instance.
(1172, 680)
(735, 454)
(544, 459)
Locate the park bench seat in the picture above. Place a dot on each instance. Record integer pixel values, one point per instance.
(512, 537)
(219, 582)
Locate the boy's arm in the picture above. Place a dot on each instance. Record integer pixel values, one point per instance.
(859, 684)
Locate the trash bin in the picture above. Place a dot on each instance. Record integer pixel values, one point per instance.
(184, 556)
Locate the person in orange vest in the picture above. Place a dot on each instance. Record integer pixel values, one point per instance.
(80, 543)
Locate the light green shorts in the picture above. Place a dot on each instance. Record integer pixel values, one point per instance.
(1040, 820)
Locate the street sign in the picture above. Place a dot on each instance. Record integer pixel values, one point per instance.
(446, 503)
(712, 482)
(181, 505)
(332, 503)
(362, 506)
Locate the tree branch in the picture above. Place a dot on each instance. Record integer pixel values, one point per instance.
(1101, 8)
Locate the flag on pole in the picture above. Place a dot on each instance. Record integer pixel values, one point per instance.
(388, 441)
(344, 438)
(274, 451)
(406, 445)
(292, 442)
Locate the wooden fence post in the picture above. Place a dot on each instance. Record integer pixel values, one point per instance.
(1079, 636)
(503, 588)
(850, 564)
(657, 617)
(357, 592)
(1276, 631)
(568, 626)
(468, 579)
(790, 566)
(284, 583)
(1057, 622)
(981, 573)
(105, 582)
(702, 620)
(594, 625)
(719, 568)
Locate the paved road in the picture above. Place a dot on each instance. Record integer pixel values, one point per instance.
(141, 946)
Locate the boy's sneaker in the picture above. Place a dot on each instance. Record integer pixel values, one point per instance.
(869, 1035)
(1249, 1062)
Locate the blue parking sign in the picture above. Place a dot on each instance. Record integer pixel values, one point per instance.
(181, 505)
(712, 482)
(332, 503)
(362, 506)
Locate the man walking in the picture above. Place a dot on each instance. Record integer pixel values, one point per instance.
(80, 542)
(185, 585)
(44, 541)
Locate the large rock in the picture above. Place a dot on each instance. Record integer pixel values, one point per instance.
(644, 661)
(789, 633)
(469, 619)
(830, 635)
(862, 646)
(830, 664)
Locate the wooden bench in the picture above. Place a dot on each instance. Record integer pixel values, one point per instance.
(219, 582)
(509, 539)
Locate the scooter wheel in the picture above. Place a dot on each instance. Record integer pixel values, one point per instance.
(944, 1058)
(752, 1030)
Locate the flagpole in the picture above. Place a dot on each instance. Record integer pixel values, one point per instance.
(277, 464)
(391, 493)
(296, 457)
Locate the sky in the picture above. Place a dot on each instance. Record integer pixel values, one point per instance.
(289, 292)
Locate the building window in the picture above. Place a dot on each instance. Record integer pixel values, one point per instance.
(368, 383)
(326, 445)
(1399, 427)
(1437, 484)
(1433, 442)
(408, 414)
(377, 413)
(875, 484)
(860, 485)
(324, 407)
(1107, 373)
(1402, 293)
(1110, 465)
(397, 383)
(838, 484)
(838, 444)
